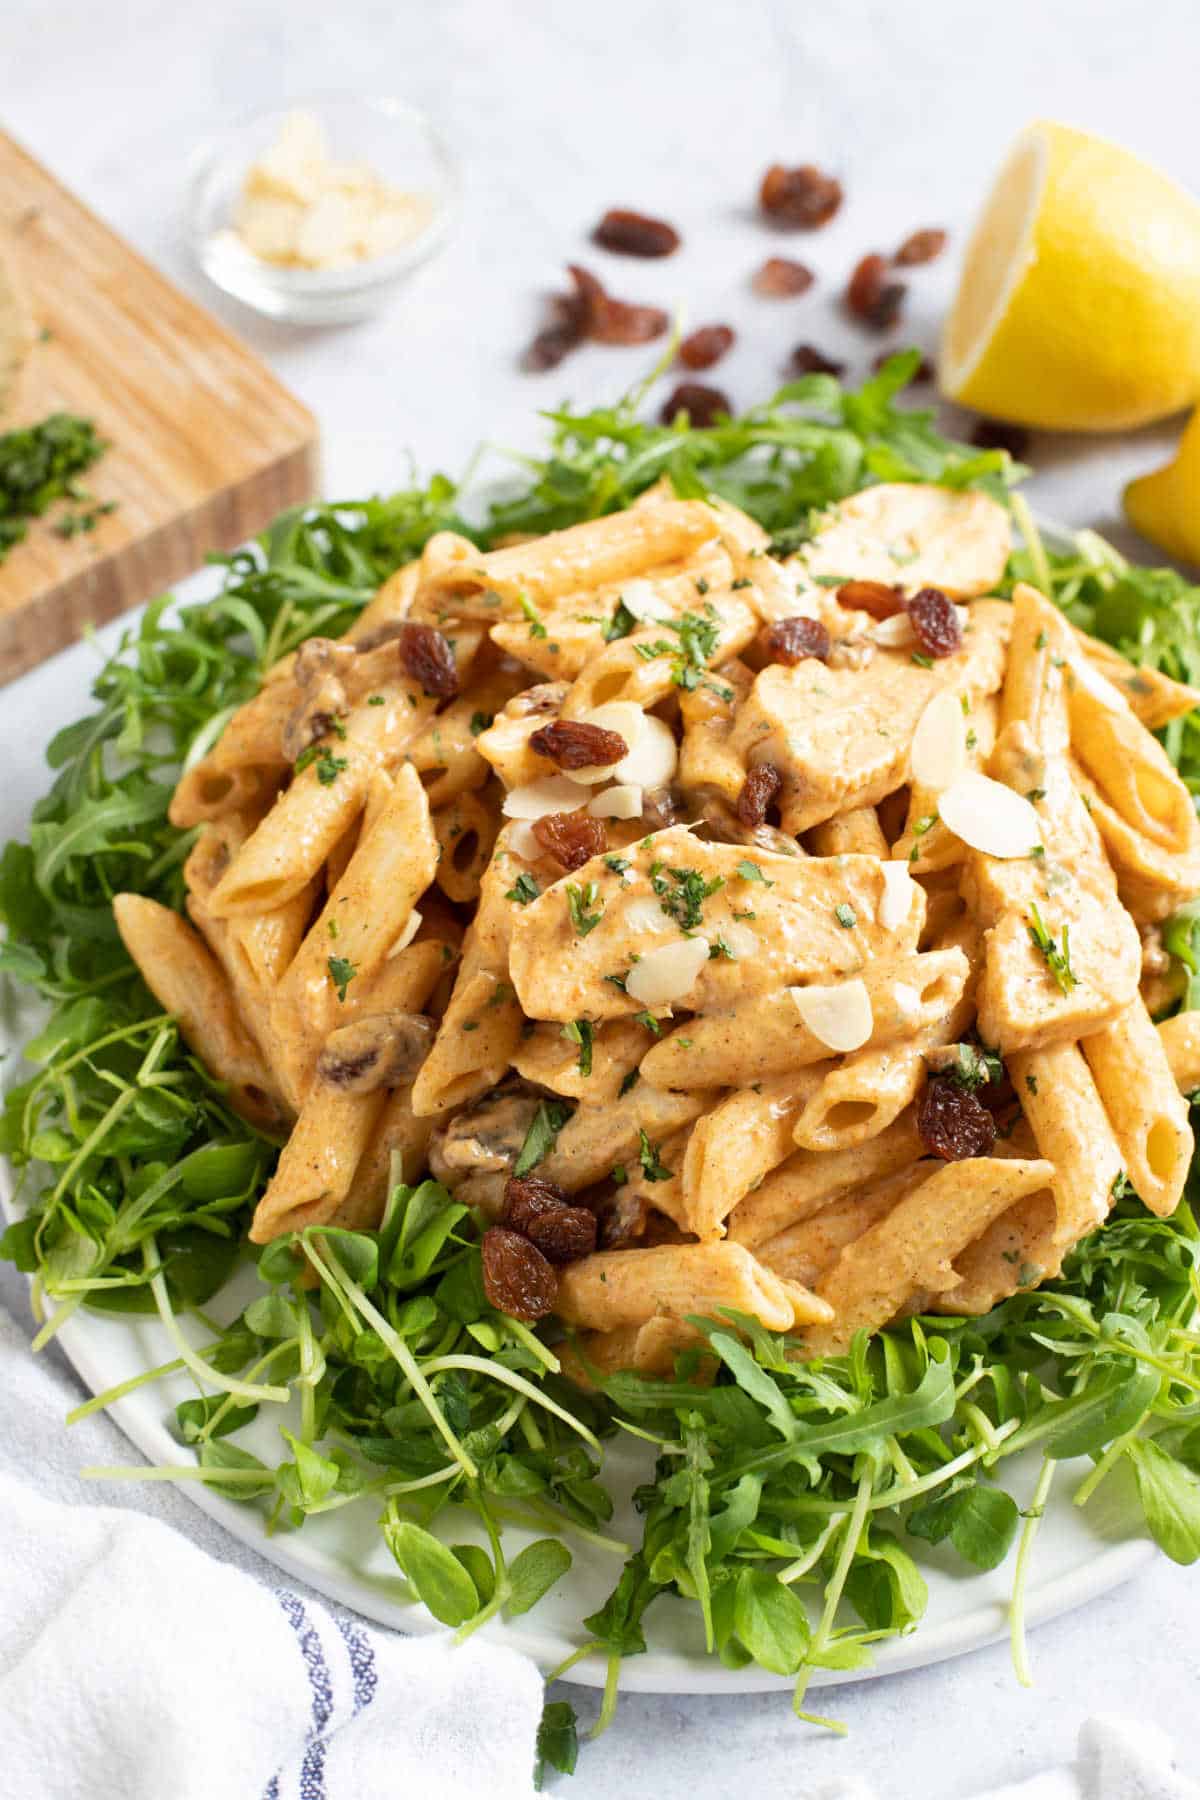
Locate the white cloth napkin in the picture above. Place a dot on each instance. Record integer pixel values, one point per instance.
(135, 1663)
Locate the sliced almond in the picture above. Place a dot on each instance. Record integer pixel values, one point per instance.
(838, 1016)
(990, 817)
(522, 842)
(621, 802)
(939, 747)
(550, 794)
(896, 903)
(652, 761)
(647, 607)
(663, 976)
(895, 633)
(627, 720)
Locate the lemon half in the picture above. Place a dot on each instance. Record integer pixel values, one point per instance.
(1165, 505)
(1079, 303)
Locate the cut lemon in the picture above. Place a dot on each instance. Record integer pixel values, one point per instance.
(1079, 303)
(1165, 505)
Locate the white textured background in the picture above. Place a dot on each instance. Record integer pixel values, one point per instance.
(559, 110)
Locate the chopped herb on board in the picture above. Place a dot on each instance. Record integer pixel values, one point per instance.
(40, 464)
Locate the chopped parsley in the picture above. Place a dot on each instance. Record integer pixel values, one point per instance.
(542, 1135)
(702, 586)
(618, 864)
(1122, 1187)
(578, 900)
(683, 902)
(620, 625)
(743, 581)
(481, 721)
(580, 1032)
(972, 738)
(376, 700)
(619, 1174)
(699, 635)
(341, 973)
(750, 871)
(1039, 642)
(653, 1167)
(719, 948)
(536, 628)
(1057, 960)
(328, 766)
(922, 661)
(628, 1082)
(923, 824)
(974, 1068)
(332, 928)
(524, 889)
(845, 916)
(1031, 1083)
(648, 1020)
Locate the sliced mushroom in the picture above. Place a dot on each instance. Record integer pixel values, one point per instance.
(486, 1138)
(725, 826)
(381, 1050)
(661, 807)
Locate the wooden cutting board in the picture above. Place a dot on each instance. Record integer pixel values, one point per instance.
(206, 445)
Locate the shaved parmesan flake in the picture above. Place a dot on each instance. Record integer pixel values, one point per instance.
(653, 759)
(664, 976)
(649, 608)
(897, 900)
(621, 802)
(627, 720)
(939, 746)
(990, 817)
(550, 794)
(839, 1016)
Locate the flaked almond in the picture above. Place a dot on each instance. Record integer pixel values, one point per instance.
(624, 801)
(647, 606)
(550, 794)
(623, 717)
(990, 817)
(646, 914)
(838, 1016)
(896, 903)
(939, 747)
(663, 976)
(654, 757)
(522, 842)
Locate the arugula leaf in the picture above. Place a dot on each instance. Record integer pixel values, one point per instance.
(540, 1139)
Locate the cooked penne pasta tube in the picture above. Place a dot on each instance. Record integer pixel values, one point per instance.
(1072, 1130)
(806, 1251)
(592, 1065)
(319, 1161)
(742, 1139)
(396, 1150)
(854, 833)
(767, 1035)
(465, 830)
(188, 982)
(810, 1180)
(617, 1288)
(1181, 1043)
(643, 666)
(1153, 697)
(648, 1349)
(1148, 1115)
(632, 1128)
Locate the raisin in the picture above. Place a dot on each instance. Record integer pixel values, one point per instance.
(791, 640)
(920, 247)
(799, 199)
(567, 328)
(571, 837)
(573, 745)
(994, 434)
(634, 234)
(871, 297)
(701, 404)
(611, 321)
(780, 278)
(952, 1123)
(806, 359)
(935, 622)
(874, 597)
(923, 372)
(428, 658)
(517, 1278)
(759, 790)
(542, 1213)
(706, 346)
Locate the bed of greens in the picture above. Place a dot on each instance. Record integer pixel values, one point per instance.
(788, 1502)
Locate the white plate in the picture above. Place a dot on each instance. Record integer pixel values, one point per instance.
(1079, 1554)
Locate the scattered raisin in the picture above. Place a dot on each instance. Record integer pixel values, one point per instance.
(701, 404)
(564, 1233)
(994, 434)
(799, 199)
(517, 1278)
(428, 658)
(923, 372)
(935, 622)
(550, 346)
(759, 790)
(635, 234)
(791, 640)
(952, 1123)
(806, 359)
(780, 278)
(874, 597)
(573, 838)
(525, 1196)
(611, 321)
(706, 346)
(920, 247)
(871, 297)
(573, 745)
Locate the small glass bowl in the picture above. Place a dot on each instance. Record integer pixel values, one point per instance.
(397, 141)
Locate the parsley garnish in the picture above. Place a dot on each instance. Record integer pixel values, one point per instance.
(481, 721)
(578, 900)
(536, 628)
(702, 586)
(618, 864)
(377, 700)
(923, 824)
(750, 871)
(974, 1068)
(579, 1031)
(542, 1135)
(845, 916)
(1031, 1083)
(629, 1081)
(698, 639)
(620, 625)
(648, 1020)
(329, 766)
(1057, 961)
(653, 1167)
(685, 901)
(743, 581)
(38, 465)
(922, 661)
(524, 889)
(341, 973)
(619, 1174)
